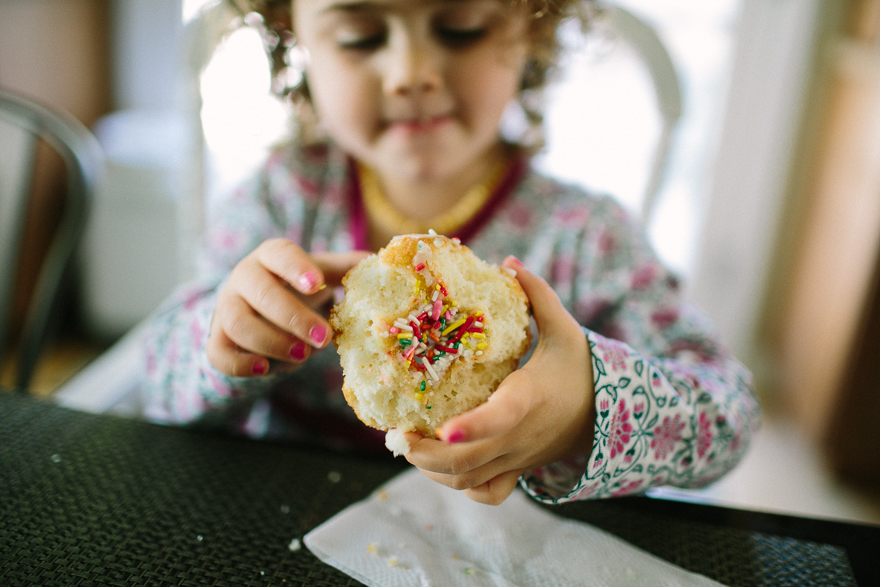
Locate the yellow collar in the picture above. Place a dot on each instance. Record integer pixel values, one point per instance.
(381, 211)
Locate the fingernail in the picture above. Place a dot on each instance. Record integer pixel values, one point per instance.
(516, 261)
(455, 437)
(259, 369)
(308, 280)
(317, 334)
(298, 351)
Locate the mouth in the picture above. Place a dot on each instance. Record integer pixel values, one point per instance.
(419, 124)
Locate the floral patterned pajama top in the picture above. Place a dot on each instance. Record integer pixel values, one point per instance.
(673, 407)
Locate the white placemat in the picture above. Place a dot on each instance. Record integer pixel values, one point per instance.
(415, 532)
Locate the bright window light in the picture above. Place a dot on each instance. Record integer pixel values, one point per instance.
(192, 7)
(240, 116)
(600, 121)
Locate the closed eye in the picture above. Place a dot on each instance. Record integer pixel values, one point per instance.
(367, 43)
(458, 38)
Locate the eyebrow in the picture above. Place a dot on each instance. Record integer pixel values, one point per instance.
(365, 5)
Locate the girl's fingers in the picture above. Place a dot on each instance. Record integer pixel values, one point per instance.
(280, 262)
(483, 451)
(252, 334)
(550, 315)
(335, 265)
(267, 311)
(290, 263)
(453, 459)
(495, 490)
(227, 357)
(267, 297)
(306, 273)
(502, 413)
(470, 478)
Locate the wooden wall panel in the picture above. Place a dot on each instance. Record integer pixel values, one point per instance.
(839, 247)
(826, 332)
(55, 51)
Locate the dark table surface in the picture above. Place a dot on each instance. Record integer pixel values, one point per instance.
(91, 499)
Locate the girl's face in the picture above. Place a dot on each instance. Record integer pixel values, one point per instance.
(413, 88)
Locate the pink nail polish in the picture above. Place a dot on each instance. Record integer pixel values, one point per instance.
(516, 261)
(298, 351)
(307, 281)
(455, 437)
(259, 369)
(317, 334)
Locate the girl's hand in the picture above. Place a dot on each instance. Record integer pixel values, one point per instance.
(269, 307)
(538, 415)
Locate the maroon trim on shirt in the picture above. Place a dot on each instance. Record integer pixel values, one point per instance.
(510, 180)
(358, 216)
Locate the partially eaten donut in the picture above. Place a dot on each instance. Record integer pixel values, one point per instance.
(426, 331)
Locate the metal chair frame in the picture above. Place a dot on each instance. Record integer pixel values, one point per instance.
(83, 160)
(652, 52)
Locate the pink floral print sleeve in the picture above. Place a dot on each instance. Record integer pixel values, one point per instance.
(673, 407)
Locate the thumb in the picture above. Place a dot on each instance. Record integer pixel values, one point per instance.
(334, 266)
(499, 415)
(550, 315)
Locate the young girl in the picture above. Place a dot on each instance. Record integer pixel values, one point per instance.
(628, 388)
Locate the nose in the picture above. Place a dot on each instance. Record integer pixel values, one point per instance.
(414, 66)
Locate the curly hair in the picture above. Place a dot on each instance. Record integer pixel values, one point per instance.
(275, 21)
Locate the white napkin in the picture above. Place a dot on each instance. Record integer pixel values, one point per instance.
(415, 532)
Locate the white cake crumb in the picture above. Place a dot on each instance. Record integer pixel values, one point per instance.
(395, 442)
(294, 545)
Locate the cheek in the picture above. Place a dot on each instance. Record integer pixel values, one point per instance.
(487, 86)
(341, 99)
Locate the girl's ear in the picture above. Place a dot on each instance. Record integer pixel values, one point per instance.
(309, 129)
(533, 73)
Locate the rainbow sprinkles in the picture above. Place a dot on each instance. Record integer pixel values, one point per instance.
(437, 332)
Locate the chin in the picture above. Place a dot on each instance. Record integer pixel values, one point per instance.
(417, 168)
(424, 171)
(425, 158)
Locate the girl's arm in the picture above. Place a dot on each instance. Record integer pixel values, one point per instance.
(213, 350)
(216, 344)
(673, 406)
